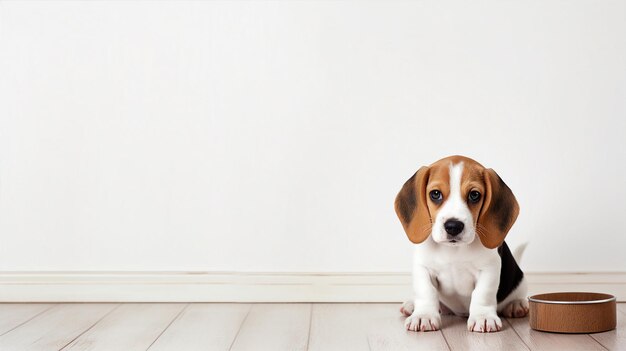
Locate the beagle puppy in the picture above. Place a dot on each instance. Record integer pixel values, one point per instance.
(445, 208)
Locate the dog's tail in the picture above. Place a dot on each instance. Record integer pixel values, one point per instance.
(519, 252)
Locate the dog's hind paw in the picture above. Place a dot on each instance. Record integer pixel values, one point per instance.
(407, 308)
(516, 309)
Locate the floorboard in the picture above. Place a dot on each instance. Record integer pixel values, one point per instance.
(274, 327)
(203, 326)
(366, 327)
(459, 338)
(130, 327)
(54, 328)
(15, 314)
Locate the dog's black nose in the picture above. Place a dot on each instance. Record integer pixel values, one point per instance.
(453, 227)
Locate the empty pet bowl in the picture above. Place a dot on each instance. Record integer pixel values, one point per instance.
(572, 312)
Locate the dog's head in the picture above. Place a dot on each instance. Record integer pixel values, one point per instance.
(455, 199)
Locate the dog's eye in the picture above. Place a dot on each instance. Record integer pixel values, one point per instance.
(436, 195)
(474, 196)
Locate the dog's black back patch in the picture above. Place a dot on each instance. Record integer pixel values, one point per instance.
(510, 273)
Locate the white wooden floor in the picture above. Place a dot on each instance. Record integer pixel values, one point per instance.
(212, 326)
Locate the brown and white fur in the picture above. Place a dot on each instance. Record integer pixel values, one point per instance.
(444, 208)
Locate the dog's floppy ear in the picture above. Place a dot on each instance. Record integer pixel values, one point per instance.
(499, 211)
(411, 206)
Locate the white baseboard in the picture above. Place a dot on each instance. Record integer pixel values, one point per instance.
(255, 287)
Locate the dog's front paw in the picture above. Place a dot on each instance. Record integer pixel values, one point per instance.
(423, 322)
(484, 323)
(516, 309)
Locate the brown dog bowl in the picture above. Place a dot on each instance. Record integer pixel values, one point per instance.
(572, 312)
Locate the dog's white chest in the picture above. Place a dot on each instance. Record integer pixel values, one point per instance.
(457, 280)
(455, 286)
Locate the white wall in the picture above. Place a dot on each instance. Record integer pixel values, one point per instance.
(273, 136)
